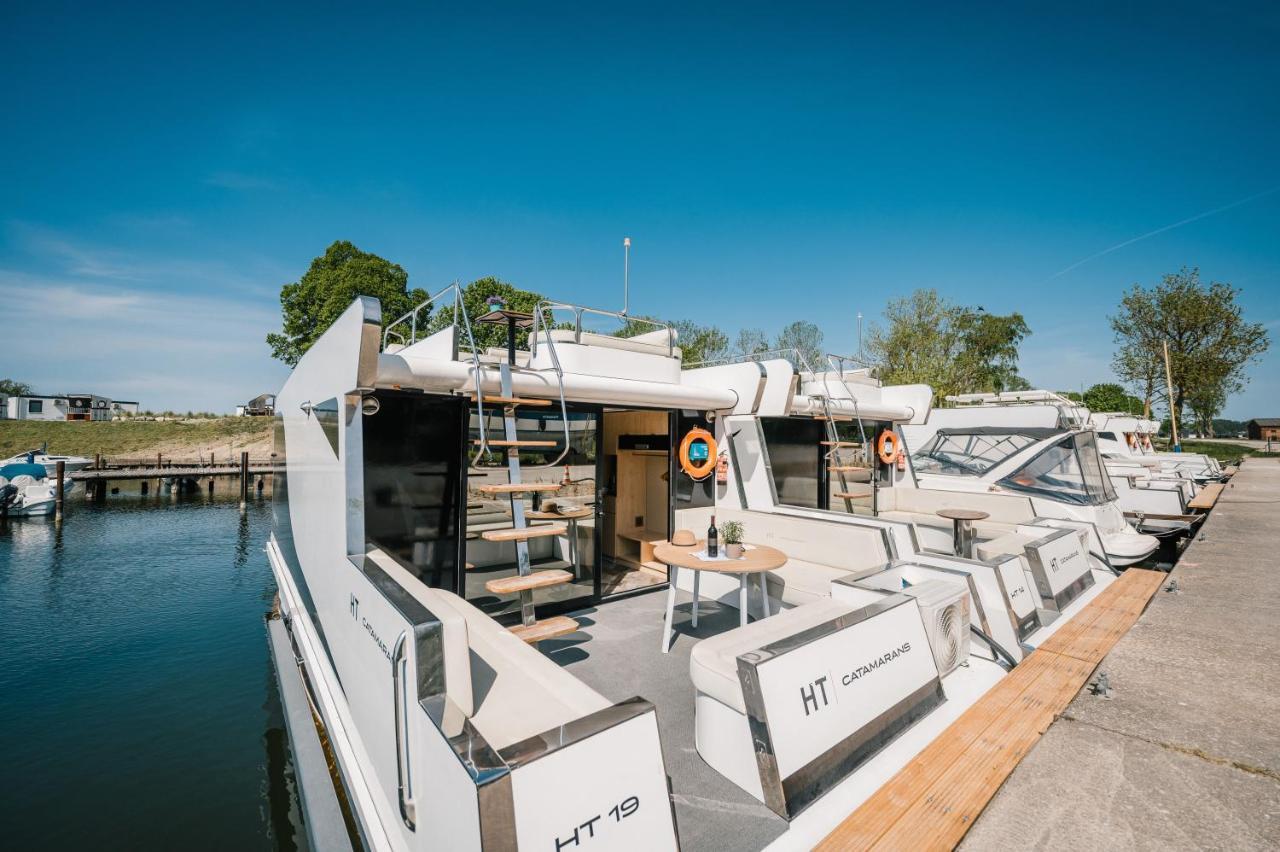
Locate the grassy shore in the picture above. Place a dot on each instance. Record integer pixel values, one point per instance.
(223, 436)
(1222, 451)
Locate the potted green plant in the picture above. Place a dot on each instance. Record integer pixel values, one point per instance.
(731, 537)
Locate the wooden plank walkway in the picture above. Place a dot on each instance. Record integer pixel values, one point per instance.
(1206, 497)
(935, 798)
(191, 471)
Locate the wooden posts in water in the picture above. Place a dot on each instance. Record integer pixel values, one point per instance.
(97, 461)
(57, 497)
(244, 477)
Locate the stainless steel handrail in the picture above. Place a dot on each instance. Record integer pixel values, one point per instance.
(404, 783)
(579, 310)
(459, 309)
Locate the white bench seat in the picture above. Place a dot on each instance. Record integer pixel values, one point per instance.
(713, 663)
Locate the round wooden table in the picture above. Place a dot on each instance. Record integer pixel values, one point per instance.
(571, 517)
(756, 561)
(962, 533)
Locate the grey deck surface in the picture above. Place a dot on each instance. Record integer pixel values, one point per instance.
(622, 658)
(1186, 754)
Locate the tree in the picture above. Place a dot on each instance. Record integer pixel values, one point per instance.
(12, 387)
(989, 348)
(475, 298)
(1210, 344)
(751, 341)
(333, 281)
(805, 338)
(701, 343)
(928, 340)
(1110, 396)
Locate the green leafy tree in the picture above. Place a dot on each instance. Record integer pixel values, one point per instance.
(1210, 343)
(11, 387)
(806, 338)
(1109, 396)
(701, 343)
(989, 348)
(929, 340)
(751, 341)
(328, 288)
(477, 296)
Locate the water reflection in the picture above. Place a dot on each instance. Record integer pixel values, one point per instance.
(136, 678)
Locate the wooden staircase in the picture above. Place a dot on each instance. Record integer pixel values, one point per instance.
(525, 581)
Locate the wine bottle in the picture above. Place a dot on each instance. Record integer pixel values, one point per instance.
(713, 544)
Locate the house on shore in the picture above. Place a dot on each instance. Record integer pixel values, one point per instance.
(70, 406)
(1264, 428)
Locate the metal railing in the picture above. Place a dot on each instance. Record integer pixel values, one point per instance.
(578, 311)
(459, 310)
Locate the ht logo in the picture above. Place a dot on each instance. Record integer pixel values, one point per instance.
(813, 693)
(355, 606)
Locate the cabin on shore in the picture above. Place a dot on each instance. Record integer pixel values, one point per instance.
(71, 406)
(1264, 429)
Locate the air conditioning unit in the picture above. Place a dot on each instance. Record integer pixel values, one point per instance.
(944, 609)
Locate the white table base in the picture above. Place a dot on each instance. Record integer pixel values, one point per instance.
(673, 572)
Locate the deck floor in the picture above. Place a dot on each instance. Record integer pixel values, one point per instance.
(935, 799)
(618, 654)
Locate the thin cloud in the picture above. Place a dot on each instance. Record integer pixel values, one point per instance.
(1158, 231)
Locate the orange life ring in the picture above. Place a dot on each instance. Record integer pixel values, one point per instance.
(708, 464)
(887, 447)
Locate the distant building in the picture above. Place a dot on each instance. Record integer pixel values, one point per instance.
(71, 406)
(1264, 428)
(263, 405)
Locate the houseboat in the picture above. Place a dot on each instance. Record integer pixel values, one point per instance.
(513, 630)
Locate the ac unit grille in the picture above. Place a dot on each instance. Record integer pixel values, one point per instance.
(944, 609)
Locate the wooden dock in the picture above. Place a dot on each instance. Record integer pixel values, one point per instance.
(180, 471)
(934, 799)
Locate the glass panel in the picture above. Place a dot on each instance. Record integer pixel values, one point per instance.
(796, 458)
(1055, 473)
(571, 505)
(412, 475)
(326, 414)
(967, 454)
(1095, 475)
(854, 453)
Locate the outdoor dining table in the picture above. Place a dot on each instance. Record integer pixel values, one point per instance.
(756, 559)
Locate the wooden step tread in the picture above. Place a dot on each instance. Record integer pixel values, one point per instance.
(847, 468)
(840, 443)
(841, 418)
(517, 487)
(513, 534)
(536, 580)
(512, 400)
(936, 797)
(496, 442)
(848, 495)
(548, 628)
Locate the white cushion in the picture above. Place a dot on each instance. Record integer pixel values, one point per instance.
(799, 582)
(1005, 545)
(651, 343)
(713, 663)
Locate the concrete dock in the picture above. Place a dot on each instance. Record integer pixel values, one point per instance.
(1185, 754)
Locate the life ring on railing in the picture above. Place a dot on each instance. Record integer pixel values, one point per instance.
(695, 461)
(887, 447)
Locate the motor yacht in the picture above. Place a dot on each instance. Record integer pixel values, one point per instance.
(1035, 447)
(49, 461)
(466, 543)
(26, 490)
(1127, 439)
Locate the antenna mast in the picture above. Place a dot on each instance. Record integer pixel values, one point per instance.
(626, 274)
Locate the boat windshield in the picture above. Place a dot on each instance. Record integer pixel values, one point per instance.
(1071, 470)
(968, 453)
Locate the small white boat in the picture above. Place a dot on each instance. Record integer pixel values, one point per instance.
(50, 462)
(25, 490)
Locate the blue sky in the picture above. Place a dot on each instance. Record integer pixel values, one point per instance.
(167, 168)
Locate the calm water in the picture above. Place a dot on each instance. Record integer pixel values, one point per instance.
(138, 707)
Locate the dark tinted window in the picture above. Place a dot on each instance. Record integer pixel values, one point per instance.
(413, 482)
(796, 457)
(690, 494)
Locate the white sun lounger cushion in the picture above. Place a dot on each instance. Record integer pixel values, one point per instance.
(713, 663)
